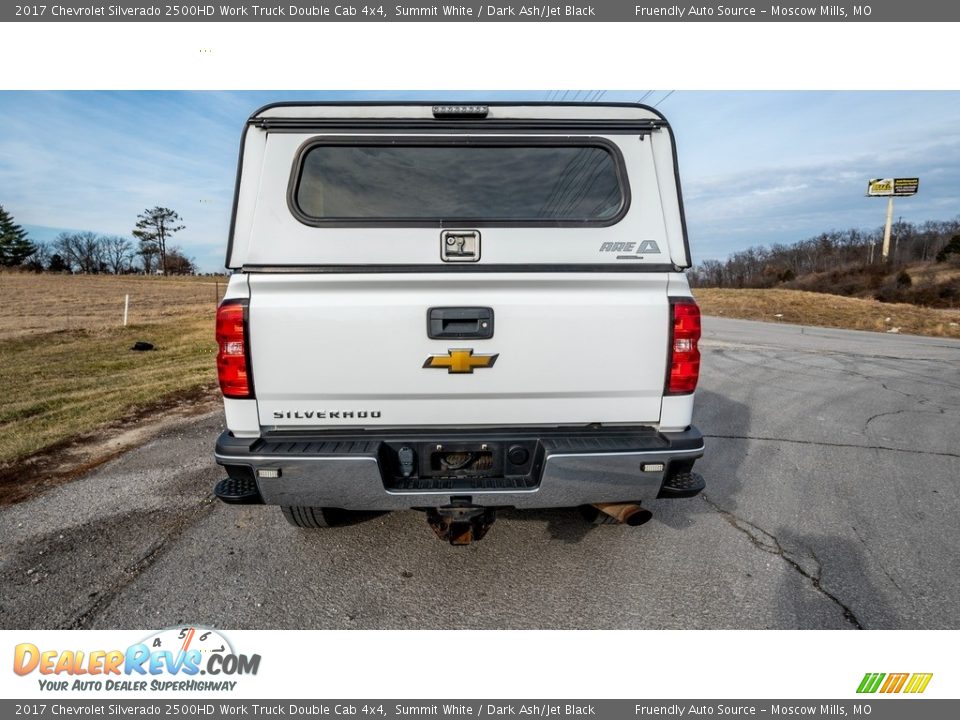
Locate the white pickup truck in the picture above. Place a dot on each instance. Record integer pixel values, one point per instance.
(455, 309)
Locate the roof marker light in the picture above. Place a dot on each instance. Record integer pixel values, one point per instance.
(460, 111)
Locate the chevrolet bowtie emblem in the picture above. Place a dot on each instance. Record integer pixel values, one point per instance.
(460, 361)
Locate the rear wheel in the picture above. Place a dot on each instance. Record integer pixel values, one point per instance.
(305, 516)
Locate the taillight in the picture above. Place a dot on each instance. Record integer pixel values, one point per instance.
(232, 354)
(684, 358)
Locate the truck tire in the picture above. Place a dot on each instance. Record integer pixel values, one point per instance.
(304, 516)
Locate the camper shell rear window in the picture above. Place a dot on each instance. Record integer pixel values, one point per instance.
(459, 181)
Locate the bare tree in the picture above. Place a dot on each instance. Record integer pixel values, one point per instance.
(153, 230)
(178, 263)
(829, 254)
(39, 259)
(117, 253)
(81, 251)
(148, 258)
(65, 246)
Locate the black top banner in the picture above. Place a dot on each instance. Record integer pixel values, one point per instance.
(497, 11)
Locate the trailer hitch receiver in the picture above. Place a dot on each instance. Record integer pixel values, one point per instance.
(461, 525)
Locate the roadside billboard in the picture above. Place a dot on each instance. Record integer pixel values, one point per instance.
(893, 187)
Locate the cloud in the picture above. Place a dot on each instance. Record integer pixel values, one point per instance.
(757, 167)
(768, 204)
(95, 160)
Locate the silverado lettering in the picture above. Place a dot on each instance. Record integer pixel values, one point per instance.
(322, 414)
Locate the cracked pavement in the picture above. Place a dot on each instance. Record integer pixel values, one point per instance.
(832, 469)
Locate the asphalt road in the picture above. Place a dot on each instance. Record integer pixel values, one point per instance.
(832, 501)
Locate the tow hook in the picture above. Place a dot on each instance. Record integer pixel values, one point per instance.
(461, 525)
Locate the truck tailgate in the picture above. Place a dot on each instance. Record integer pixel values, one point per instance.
(340, 350)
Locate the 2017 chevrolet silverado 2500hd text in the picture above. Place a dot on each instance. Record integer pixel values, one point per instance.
(457, 308)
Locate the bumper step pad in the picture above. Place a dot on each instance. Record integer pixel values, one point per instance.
(682, 485)
(238, 491)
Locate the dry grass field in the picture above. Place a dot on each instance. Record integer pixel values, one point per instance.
(33, 303)
(67, 367)
(65, 356)
(808, 308)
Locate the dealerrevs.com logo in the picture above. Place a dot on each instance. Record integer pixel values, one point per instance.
(171, 659)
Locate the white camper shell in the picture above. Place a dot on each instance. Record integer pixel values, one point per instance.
(457, 308)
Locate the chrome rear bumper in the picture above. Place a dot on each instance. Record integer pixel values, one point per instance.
(353, 472)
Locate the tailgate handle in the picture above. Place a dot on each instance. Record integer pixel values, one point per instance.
(445, 323)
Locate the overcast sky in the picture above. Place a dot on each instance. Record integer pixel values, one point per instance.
(757, 167)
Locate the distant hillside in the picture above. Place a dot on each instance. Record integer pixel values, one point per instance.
(930, 284)
(923, 267)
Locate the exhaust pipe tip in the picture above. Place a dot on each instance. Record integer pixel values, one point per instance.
(638, 517)
(632, 514)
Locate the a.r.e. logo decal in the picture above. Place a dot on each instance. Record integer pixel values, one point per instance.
(630, 250)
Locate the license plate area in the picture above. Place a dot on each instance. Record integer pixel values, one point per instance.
(461, 463)
(459, 460)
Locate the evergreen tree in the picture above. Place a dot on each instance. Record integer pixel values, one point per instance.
(58, 264)
(952, 247)
(14, 245)
(153, 230)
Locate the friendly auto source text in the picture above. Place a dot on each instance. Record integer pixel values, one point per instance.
(774, 11)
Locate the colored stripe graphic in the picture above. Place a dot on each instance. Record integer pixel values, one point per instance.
(870, 682)
(894, 682)
(918, 682)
